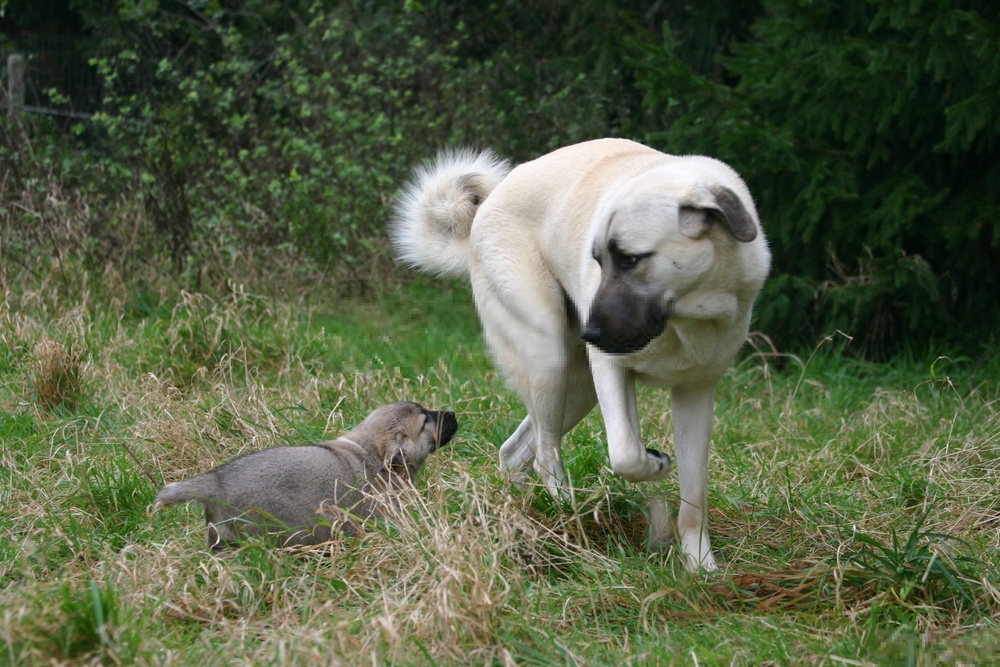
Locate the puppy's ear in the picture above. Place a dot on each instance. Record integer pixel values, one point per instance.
(394, 459)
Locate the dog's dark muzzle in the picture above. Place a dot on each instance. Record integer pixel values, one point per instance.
(621, 343)
(624, 324)
(445, 424)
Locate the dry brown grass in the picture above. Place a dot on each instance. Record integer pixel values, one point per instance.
(806, 466)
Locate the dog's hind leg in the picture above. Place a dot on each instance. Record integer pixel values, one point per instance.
(538, 439)
(518, 452)
(546, 401)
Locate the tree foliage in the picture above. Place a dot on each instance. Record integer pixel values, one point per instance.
(261, 126)
(867, 130)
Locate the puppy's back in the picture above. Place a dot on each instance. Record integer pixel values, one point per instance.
(283, 486)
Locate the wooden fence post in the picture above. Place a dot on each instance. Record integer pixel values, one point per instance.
(15, 84)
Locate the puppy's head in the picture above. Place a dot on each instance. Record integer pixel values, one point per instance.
(408, 433)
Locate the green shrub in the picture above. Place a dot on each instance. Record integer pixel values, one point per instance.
(868, 131)
(295, 135)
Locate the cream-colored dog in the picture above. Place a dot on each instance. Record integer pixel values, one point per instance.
(592, 267)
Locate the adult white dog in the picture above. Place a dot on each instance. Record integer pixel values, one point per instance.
(592, 267)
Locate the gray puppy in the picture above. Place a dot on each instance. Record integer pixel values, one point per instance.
(283, 491)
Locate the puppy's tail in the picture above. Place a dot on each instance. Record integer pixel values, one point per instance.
(196, 488)
(434, 213)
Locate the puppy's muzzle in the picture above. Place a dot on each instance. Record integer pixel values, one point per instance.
(445, 426)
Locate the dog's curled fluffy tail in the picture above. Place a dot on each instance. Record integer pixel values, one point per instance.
(196, 488)
(433, 216)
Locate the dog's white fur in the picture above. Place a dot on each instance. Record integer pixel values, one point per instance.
(528, 239)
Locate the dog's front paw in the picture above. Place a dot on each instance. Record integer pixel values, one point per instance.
(642, 465)
(658, 464)
(661, 460)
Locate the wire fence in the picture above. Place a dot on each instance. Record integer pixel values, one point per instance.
(57, 79)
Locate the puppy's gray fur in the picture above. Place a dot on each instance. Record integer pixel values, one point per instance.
(283, 491)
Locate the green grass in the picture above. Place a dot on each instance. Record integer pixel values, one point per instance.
(855, 507)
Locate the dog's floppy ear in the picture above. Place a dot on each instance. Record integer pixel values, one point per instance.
(721, 204)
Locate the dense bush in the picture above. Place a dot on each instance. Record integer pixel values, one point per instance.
(263, 123)
(269, 133)
(869, 133)
(867, 130)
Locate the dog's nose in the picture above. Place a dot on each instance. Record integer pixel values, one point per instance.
(591, 332)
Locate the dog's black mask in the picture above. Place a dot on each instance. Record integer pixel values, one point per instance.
(622, 321)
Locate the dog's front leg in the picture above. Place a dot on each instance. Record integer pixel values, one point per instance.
(692, 414)
(629, 457)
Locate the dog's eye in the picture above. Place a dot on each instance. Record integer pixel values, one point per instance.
(624, 261)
